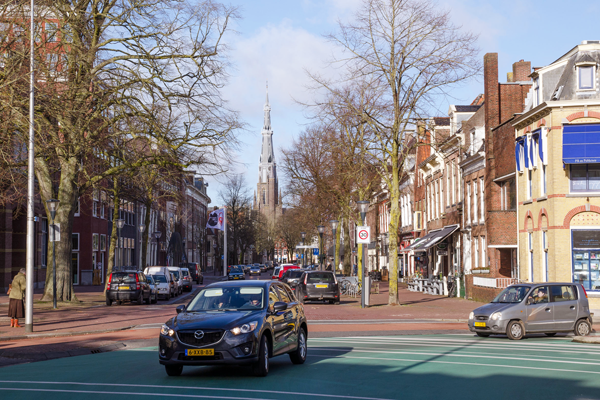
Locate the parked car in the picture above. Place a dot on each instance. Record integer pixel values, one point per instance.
(254, 270)
(284, 268)
(236, 273)
(164, 286)
(156, 270)
(534, 307)
(195, 272)
(176, 271)
(127, 286)
(235, 323)
(153, 289)
(275, 273)
(187, 279)
(292, 277)
(263, 268)
(318, 285)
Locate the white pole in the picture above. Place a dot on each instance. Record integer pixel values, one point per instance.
(225, 238)
(30, 190)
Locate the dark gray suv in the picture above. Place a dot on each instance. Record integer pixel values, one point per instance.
(128, 286)
(534, 308)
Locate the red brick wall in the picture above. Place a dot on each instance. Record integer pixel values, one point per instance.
(511, 100)
(504, 150)
(478, 293)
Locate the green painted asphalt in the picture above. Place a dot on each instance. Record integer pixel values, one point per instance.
(385, 367)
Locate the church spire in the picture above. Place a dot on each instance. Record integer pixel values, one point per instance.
(267, 125)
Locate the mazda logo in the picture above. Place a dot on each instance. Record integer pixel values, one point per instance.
(199, 334)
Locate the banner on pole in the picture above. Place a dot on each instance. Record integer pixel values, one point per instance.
(216, 219)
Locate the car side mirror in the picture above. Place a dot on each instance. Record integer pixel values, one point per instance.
(279, 306)
(180, 309)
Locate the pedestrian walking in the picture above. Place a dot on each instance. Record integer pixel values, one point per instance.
(341, 267)
(16, 293)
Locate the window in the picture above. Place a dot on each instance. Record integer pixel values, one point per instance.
(77, 208)
(482, 201)
(75, 242)
(468, 204)
(51, 29)
(585, 177)
(476, 253)
(453, 183)
(483, 252)
(472, 149)
(273, 297)
(586, 77)
(102, 242)
(544, 180)
(283, 294)
(475, 200)
(512, 192)
(529, 188)
(448, 187)
(95, 208)
(562, 293)
(536, 92)
(530, 246)
(95, 242)
(545, 249)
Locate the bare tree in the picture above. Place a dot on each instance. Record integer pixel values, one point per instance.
(114, 76)
(409, 53)
(237, 200)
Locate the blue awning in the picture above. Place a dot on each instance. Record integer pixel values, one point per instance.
(581, 144)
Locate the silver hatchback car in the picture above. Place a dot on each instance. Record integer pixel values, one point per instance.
(534, 308)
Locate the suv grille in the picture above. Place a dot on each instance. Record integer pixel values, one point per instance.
(210, 336)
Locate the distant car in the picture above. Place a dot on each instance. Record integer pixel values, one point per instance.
(153, 288)
(292, 277)
(275, 273)
(235, 323)
(318, 285)
(534, 308)
(195, 272)
(164, 287)
(128, 286)
(247, 268)
(176, 271)
(263, 268)
(164, 271)
(284, 268)
(254, 270)
(187, 279)
(235, 273)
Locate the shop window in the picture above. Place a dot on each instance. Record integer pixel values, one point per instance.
(585, 177)
(586, 258)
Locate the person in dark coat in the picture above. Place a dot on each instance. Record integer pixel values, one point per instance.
(16, 293)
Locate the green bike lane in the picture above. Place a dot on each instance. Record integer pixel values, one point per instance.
(367, 367)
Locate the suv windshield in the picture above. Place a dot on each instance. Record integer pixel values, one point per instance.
(184, 272)
(320, 277)
(125, 277)
(159, 278)
(512, 294)
(228, 299)
(175, 274)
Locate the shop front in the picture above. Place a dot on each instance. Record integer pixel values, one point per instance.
(586, 258)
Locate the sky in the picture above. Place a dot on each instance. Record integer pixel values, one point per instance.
(278, 40)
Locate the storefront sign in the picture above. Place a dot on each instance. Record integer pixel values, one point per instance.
(442, 252)
(442, 246)
(586, 239)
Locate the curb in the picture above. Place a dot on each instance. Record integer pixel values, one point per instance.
(52, 335)
(587, 339)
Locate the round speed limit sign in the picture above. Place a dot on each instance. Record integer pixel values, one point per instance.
(364, 233)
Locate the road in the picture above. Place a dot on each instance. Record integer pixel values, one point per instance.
(390, 367)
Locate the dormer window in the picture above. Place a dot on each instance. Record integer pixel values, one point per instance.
(586, 77)
(536, 92)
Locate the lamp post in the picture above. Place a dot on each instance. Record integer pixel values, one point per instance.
(141, 228)
(120, 224)
(52, 207)
(303, 234)
(363, 205)
(334, 224)
(321, 230)
(157, 236)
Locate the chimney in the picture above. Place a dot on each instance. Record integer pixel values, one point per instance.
(491, 92)
(509, 77)
(521, 71)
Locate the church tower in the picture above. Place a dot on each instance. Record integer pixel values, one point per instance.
(266, 197)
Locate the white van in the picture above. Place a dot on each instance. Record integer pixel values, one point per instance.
(176, 271)
(171, 288)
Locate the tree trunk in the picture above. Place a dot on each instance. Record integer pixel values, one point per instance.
(347, 249)
(113, 233)
(393, 228)
(336, 256)
(145, 234)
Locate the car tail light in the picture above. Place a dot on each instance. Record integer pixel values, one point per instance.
(137, 281)
(109, 281)
(584, 292)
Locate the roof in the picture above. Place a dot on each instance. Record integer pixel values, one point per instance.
(442, 120)
(470, 108)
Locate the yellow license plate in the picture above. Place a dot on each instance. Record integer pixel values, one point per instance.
(124, 287)
(321, 286)
(480, 324)
(200, 352)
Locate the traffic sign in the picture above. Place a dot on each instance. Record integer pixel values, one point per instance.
(364, 234)
(316, 252)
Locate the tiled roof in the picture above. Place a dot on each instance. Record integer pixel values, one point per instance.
(442, 120)
(467, 108)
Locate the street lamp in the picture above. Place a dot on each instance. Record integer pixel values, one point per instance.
(157, 236)
(334, 224)
(120, 224)
(52, 207)
(141, 228)
(321, 230)
(363, 206)
(303, 234)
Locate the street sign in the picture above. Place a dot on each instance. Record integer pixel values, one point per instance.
(316, 252)
(364, 234)
(56, 229)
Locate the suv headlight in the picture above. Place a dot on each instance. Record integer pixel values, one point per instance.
(165, 330)
(246, 328)
(496, 316)
(472, 315)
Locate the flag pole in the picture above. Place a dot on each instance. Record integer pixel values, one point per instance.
(225, 239)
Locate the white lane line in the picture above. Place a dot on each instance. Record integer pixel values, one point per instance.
(192, 388)
(566, 349)
(196, 396)
(461, 363)
(416, 353)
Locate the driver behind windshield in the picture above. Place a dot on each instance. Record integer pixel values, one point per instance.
(254, 301)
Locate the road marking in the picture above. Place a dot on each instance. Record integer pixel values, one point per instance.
(186, 387)
(196, 396)
(462, 363)
(416, 353)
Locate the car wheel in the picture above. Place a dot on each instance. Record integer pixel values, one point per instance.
(118, 302)
(550, 333)
(582, 328)
(109, 302)
(515, 330)
(298, 356)
(140, 299)
(261, 368)
(174, 370)
(480, 334)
